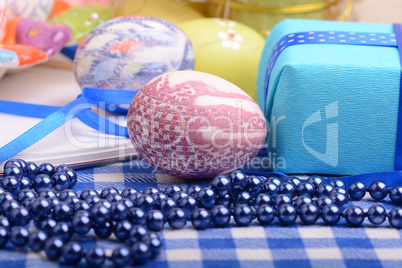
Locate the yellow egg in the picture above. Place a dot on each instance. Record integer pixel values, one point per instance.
(228, 49)
(168, 10)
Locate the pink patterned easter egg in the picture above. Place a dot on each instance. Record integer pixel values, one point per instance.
(195, 125)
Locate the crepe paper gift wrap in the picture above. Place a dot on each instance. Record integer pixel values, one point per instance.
(331, 108)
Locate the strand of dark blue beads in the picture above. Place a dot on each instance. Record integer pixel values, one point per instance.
(134, 216)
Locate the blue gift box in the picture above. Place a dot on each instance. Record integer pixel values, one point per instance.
(332, 108)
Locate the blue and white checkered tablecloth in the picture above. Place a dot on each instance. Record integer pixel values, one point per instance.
(299, 245)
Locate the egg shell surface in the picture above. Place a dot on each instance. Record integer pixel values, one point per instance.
(193, 125)
(127, 52)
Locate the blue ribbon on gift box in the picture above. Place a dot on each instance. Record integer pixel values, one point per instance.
(54, 116)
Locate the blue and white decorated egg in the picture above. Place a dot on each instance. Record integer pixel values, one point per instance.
(127, 52)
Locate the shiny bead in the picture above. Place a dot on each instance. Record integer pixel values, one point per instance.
(105, 203)
(179, 195)
(282, 199)
(14, 171)
(107, 191)
(63, 231)
(61, 168)
(129, 191)
(378, 190)
(157, 198)
(6, 196)
(323, 201)
(5, 223)
(340, 200)
(11, 184)
(122, 230)
(225, 200)
(8, 206)
(396, 195)
(302, 200)
(316, 180)
(121, 256)
(309, 213)
(23, 166)
(337, 183)
(376, 214)
(287, 214)
(146, 202)
(19, 236)
(46, 168)
(103, 230)
(220, 215)
(340, 190)
(53, 201)
(238, 180)
(137, 216)
(193, 189)
(171, 189)
(33, 170)
(167, 204)
(62, 211)
(81, 223)
(36, 240)
(47, 193)
(47, 225)
(255, 185)
(263, 199)
(271, 189)
(82, 205)
(133, 197)
(3, 236)
(137, 233)
(92, 200)
(395, 217)
(118, 211)
(72, 175)
(2, 190)
(243, 215)
(154, 244)
(331, 214)
(66, 193)
(150, 190)
(265, 214)
(200, 218)
(188, 204)
(72, 252)
(72, 200)
(140, 252)
(27, 203)
(87, 192)
(154, 220)
(324, 190)
(114, 197)
(294, 180)
(177, 218)
(274, 180)
(127, 202)
(60, 181)
(357, 190)
(306, 188)
(354, 216)
(53, 248)
(206, 197)
(13, 162)
(100, 213)
(287, 188)
(95, 256)
(242, 197)
(20, 216)
(25, 183)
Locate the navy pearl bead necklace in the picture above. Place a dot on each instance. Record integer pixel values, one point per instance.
(134, 217)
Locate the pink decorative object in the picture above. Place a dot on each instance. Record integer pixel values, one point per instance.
(3, 20)
(89, 2)
(195, 125)
(49, 37)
